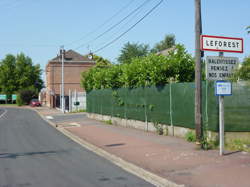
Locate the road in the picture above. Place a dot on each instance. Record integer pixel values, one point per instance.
(32, 153)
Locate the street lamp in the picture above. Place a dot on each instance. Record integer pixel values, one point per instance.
(63, 100)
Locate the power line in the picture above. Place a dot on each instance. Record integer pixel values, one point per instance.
(130, 28)
(125, 25)
(11, 4)
(104, 23)
(115, 25)
(30, 45)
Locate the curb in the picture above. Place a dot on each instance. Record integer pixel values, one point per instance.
(127, 166)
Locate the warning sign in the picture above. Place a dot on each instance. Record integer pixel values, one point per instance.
(220, 68)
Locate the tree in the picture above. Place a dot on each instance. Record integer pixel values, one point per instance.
(166, 43)
(8, 78)
(248, 29)
(29, 75)
(100, 61)
(244, 72)
(132, 50)
(19, 73)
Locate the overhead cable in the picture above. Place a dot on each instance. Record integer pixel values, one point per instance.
(104, 23)
(115, 25)
(130, 28)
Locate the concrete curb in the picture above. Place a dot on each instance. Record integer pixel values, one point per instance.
(127, 166)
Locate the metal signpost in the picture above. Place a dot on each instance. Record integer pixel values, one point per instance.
(220, 68)
(222, 88)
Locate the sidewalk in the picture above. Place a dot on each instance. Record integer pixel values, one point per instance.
(169, 157)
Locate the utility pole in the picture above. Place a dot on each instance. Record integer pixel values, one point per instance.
(63, 100)
(198, 98)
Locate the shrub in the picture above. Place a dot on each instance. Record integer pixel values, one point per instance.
(24, 96)
(19, 101)
(149, 70)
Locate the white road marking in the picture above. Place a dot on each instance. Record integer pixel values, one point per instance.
(5, 111)
(49, 117)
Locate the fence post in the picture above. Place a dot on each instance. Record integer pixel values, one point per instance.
(170, 108)
(60, 96)
(145, 108)
(125, 103)
(69, 100)
(76, 100)
(101, 103)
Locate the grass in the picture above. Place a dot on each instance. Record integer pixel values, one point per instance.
(78, 111)
(239, 145)
(8, 105)
(108, 122)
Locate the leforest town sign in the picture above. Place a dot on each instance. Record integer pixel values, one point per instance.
(221, 43)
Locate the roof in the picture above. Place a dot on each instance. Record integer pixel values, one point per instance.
(165, 52)
(73, 56)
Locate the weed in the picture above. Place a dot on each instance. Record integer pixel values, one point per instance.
(239, 145)
(78, 111)
(159, 128)
(108, 122)
(190, 136)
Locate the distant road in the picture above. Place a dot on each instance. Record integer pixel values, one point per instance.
(32, 153)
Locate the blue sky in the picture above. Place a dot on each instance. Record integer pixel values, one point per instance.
(39, 27)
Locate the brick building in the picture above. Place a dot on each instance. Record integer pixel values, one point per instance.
(74, 65)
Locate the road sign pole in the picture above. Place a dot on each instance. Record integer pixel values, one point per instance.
(221, 106)
(221, 115)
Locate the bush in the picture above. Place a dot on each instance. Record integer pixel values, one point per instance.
(24, 96)
(19, 101)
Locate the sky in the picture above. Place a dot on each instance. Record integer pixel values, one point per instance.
(39, 27)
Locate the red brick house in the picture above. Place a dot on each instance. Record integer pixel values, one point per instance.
(74, 65)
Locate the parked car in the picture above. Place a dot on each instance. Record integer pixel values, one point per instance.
(35, 102)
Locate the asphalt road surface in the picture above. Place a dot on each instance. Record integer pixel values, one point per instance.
(32, 153)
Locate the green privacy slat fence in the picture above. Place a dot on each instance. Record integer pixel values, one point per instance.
(174, 104)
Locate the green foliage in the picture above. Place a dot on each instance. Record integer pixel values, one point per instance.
(243, 73)
(239, 145)
(8, 76)
(190, 136)
(248, 29)
(130, 51)
(19, 101)
(79, 111)
(166, 43)
(18, 73)
(101, 62)
(150, 70)
(108, 122)
(26, 95)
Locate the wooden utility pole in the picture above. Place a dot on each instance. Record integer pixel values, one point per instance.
(198, 98)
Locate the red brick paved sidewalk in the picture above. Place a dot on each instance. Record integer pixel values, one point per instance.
(169, 157)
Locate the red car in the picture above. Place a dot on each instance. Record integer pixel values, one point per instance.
(35, 102)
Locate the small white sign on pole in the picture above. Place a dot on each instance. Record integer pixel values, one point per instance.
(220, 68)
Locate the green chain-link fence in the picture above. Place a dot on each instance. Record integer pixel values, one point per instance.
(174, 104)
